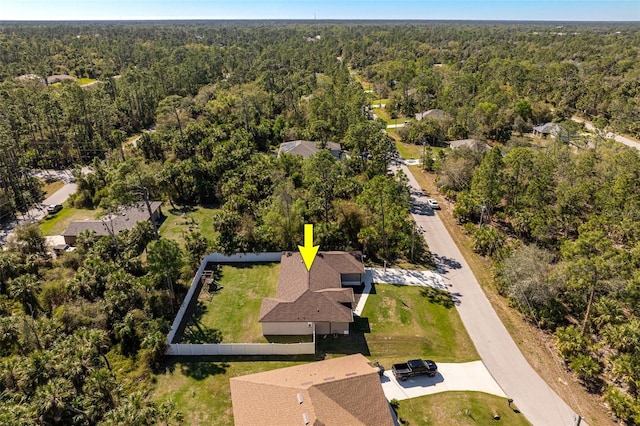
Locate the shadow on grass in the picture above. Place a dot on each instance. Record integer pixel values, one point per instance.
(195, 332)
(353, 343)
(182, 209)
(202, 370)
(437, 296)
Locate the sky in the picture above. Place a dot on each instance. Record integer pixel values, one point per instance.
(538, 10)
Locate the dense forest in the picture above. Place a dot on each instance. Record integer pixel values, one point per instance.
(82, 334)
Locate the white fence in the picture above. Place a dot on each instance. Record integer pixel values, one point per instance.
(180, 349)
(227, 348)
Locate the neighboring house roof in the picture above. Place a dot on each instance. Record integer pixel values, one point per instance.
(339, 391)
(547, 128)
(436, 114)
(316, 295)
(471, 143)
(308, 148)
(59, 77)
(126, 219)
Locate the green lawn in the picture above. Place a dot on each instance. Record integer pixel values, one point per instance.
(398, 323)
(50, 188)
(201, 390)
(407, 150)
(182, 220)
(403, 322)
(56, 224)
(459, 409)
(231, 314)
(379, 101)
(83, 81)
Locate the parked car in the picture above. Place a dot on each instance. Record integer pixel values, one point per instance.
(414, 367)
(433, 204)
(54, 208)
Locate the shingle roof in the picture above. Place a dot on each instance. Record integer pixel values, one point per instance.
(126, 219)
(437, 114)
(306, 148)
(547, 128)
(315, 295)
(471, 143)
(340, 391)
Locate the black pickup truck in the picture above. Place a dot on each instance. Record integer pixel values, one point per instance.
(414, 367)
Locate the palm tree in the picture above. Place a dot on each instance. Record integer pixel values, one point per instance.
(53, 402)
(25, 289)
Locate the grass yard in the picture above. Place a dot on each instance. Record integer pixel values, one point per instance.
(413, 322)
(403, 322)
(201, 390)
(83, 81)
(407, 150)
(57, 223)
(231, 314)
(50, 188)
(450, 408)
(182, 220)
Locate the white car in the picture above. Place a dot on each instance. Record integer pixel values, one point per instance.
(433, 204)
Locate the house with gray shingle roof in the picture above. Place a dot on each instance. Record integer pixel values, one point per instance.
(307, 148)
(320, 299)
(473, 144)
(436, 114)
(339, 391)
(546, 129)
(126, 218)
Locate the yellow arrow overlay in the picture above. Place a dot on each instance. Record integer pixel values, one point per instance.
(308, 251)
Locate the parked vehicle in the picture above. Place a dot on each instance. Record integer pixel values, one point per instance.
(414, 367)
(433, 204)
(54, 208)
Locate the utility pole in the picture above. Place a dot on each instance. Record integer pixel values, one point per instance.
(145, 193)
(184, 143)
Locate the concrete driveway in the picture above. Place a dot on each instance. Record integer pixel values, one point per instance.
(408, 277)
(466, 376)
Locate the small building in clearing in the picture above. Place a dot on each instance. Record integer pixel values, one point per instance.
(126, 218)
(307, 148)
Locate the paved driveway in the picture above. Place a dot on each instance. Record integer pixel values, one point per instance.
(408, 277)
(537, 401)
(466, 376)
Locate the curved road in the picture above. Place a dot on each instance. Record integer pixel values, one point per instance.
(618, 138)
(536, 400)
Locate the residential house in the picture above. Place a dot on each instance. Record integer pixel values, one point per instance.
(319, 300)
(474, 144)
(307, 148)
(126, 218)
(436, 114)
(339, 391)
(546, 129)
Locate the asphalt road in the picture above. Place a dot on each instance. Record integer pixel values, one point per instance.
(617, 138)
(535, 399)
(38, 212)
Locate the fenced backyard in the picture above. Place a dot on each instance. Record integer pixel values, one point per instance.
(220, 313)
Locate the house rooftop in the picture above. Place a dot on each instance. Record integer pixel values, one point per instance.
(307, 148)
(547, 128)
(126, 218)
(470, 143)
(339, 391)
(312, 295)
(436, 114)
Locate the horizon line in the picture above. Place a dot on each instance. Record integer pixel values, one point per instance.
(2, 21)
